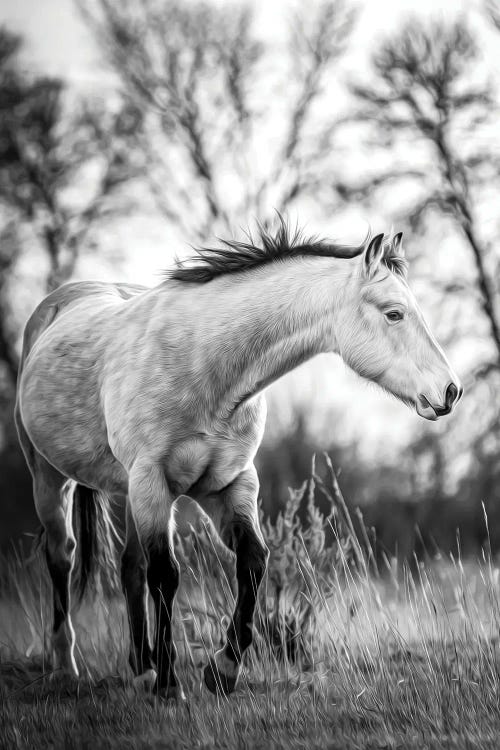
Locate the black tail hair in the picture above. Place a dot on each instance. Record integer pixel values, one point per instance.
(96, 538)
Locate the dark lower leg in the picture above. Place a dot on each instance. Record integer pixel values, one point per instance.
(163, 580)
(133, 571)
(53, 500)
(251, 561)
(60, 556)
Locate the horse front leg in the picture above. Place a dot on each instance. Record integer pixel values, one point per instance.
(151, 504)
(135, 589)
(241, 532)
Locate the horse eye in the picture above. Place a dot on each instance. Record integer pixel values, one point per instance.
(394, 316)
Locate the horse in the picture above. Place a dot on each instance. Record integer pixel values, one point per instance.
(152, 394)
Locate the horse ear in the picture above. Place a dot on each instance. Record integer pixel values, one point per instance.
(397, 244)
(373, 255)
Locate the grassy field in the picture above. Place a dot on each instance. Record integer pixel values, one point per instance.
(392, 660)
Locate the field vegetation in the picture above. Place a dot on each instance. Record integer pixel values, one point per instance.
(351, 649)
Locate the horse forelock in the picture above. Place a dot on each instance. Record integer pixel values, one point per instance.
(396, 264)
(394, 261)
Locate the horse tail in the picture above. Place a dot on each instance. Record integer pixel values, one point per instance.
(96, 538)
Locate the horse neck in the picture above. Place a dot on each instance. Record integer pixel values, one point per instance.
(266, 322)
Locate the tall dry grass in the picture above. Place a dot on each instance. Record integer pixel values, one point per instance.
(351, 646)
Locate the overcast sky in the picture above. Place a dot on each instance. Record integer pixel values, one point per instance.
(57, 43)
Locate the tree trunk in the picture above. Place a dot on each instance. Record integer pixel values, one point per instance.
(7, 354)
(458, 183)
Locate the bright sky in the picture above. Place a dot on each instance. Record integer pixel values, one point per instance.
(57, 42)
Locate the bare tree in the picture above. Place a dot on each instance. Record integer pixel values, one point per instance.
(9, 251)
(424, 96)
(493, 12)
(223, 134)
(44, 152)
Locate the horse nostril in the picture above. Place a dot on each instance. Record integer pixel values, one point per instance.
(451, 395)
(442, 411)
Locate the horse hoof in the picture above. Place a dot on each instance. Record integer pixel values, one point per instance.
(66, 682)
(172, 694)
(218, 682)
(145, 681)
(64, 669)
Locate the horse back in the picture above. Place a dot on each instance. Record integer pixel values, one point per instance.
(61, 299)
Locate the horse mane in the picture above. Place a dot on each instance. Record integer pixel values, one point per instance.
(234, 256)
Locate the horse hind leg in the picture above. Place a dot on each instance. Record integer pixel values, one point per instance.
(54, 500)
(53, 497)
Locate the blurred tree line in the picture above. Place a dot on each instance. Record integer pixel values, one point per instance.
(214, 125)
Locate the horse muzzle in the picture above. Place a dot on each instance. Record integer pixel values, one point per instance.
(428, 410)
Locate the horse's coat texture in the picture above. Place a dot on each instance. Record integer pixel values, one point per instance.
(155, 393)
